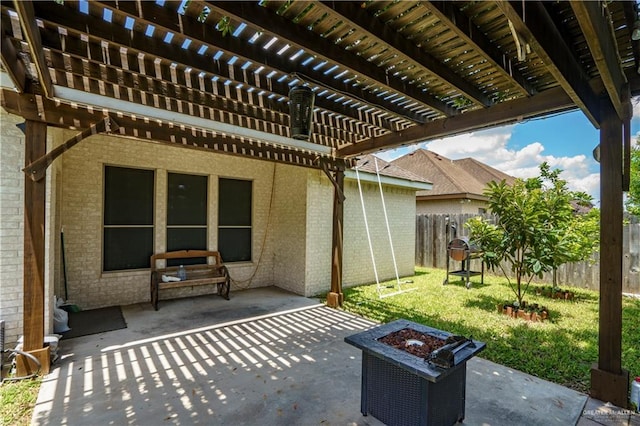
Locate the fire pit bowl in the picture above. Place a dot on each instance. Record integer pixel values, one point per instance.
(401, 388)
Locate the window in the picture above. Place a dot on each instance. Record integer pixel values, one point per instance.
(186, 214)
(234, 220)
(128, 218)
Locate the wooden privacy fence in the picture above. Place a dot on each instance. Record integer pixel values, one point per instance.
(434, 231)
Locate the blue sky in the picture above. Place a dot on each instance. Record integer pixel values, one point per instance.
(566, 141)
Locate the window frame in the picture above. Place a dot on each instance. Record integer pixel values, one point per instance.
(104, 226)
(249, 227)
(204, 226)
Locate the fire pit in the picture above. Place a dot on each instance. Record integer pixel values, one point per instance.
(405, 380)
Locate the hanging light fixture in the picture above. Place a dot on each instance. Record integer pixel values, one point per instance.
(301, 100)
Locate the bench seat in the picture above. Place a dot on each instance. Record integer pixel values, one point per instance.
(213, 272)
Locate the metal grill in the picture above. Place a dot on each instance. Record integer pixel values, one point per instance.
(462, 250)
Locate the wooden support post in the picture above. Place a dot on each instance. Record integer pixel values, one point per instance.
(609, 382)
(335, 298)
(34, 222)
(26, 366)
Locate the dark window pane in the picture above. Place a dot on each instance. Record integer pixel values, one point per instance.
(128, 196)
(235, 244)
(187, 200)
(127, 248)
(234, 202)
(186, 239)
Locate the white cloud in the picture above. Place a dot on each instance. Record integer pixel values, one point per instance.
(491, 147)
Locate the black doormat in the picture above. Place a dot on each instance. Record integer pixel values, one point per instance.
(94, 321)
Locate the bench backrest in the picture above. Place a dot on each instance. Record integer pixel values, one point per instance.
(213, 257)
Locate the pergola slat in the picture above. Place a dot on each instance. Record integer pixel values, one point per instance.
(548, 43)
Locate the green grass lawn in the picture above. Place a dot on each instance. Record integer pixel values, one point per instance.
(17, 400)
(561, 350)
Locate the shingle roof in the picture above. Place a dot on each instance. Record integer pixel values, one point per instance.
(367, 163)
(466, 176)
(483, 172)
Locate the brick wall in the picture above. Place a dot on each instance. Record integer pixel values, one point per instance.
(400, 207)
(319, 233)
(287, 230)
(81, 202)
(357, 264)
(11, 225)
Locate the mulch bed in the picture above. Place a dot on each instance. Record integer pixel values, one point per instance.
(398, 339)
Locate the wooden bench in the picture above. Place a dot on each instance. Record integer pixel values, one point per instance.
(213, 272)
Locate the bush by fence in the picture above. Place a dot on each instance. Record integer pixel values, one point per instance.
(434, 231)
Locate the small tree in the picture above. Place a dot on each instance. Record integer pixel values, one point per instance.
(573, 237)
(516, 236)
(535, 231)
(633, 200)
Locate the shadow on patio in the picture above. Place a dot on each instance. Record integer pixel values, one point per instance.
(266, 357)
(285, 367)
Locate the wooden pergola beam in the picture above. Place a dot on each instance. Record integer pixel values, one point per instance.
(14, 66)
(465, 29)
(597, 30)
(32, 34)
(208, 35)
(548, 43)
(129, 45)
(548, 101)
(37, 108)
(375, 28)
(281, 27)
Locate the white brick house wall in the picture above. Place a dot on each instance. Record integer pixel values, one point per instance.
(287, 228)
(11, 225)
(357, 264)
(400, 207)
(319, 233)
(83, 166)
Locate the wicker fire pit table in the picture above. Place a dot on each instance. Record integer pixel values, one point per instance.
(399, 388)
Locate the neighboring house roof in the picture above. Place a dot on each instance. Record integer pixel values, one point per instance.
(390, 174)
(483, 172)
(465, 178)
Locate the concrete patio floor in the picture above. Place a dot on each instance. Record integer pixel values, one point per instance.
(266, 357)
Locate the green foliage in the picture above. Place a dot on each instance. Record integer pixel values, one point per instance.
(462, 102)
(536, 229)
(224, 26)
(561, 350)
(633, 199)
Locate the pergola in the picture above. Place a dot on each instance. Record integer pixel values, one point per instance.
(216, 76)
